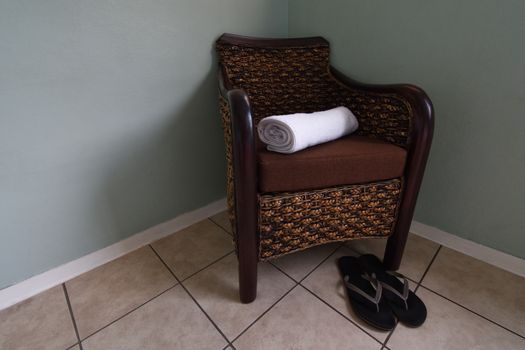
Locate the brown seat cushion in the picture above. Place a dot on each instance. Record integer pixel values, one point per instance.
(349, 160)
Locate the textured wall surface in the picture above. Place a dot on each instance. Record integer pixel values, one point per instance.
(108, 119)
(469, 56)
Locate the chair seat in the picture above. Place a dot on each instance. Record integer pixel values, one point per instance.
(349, 160)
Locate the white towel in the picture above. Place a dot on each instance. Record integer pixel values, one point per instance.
(293, 132)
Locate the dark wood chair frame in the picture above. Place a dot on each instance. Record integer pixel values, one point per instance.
(245, 167)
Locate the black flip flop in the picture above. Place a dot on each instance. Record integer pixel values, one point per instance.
(364, 293)
(406, 305)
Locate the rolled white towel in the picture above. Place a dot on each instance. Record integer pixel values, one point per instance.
(293, 132)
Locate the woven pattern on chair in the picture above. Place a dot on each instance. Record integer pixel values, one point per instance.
(290, 222)
(291, 80)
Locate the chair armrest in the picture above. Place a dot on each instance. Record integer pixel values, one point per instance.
(418, 147)
(243, 156)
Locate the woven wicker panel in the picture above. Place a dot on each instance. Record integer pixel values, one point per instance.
(291, 80)
(290, 222)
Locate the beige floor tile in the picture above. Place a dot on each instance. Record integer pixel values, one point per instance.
(76, 347)
(301, 321)
(451, 327)
(299, 264)
(223, 221)
(492, 292)
(217, 291)
(171, 321)
(416, 257)
(194, 248)
(325, 282)
(41, 322)
(109, 291)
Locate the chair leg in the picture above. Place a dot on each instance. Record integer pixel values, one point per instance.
(394, 250)
(247, 276)
(247, 252)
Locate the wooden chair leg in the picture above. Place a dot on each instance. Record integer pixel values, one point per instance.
(247, 277)
(247, 252)
(394, 250)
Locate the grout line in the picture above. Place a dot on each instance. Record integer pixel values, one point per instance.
(130, 311)
(343, 315)
(330, 306)
(229, 346)
(71, 314)
(322, 262)
(285, 294)
(309, 273)
(204, 268)
(265, 312)
(389, 336)
(474, 312)
(191, 296)
(428, 268)
(282, 271)
(223, 228)
(420, 284)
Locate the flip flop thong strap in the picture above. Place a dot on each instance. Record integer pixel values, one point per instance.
(406, 289)
(377, 286)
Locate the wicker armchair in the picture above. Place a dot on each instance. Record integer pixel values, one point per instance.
(273, 215)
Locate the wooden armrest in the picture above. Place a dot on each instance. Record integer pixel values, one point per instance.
(244, 161)
(421, 132)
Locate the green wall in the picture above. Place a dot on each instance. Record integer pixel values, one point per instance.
(108, 119)
(109, 124)
(470, 58)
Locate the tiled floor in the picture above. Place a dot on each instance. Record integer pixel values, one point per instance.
(181, 293)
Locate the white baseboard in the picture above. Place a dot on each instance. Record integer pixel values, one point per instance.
(489, 255)
(39, 283)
